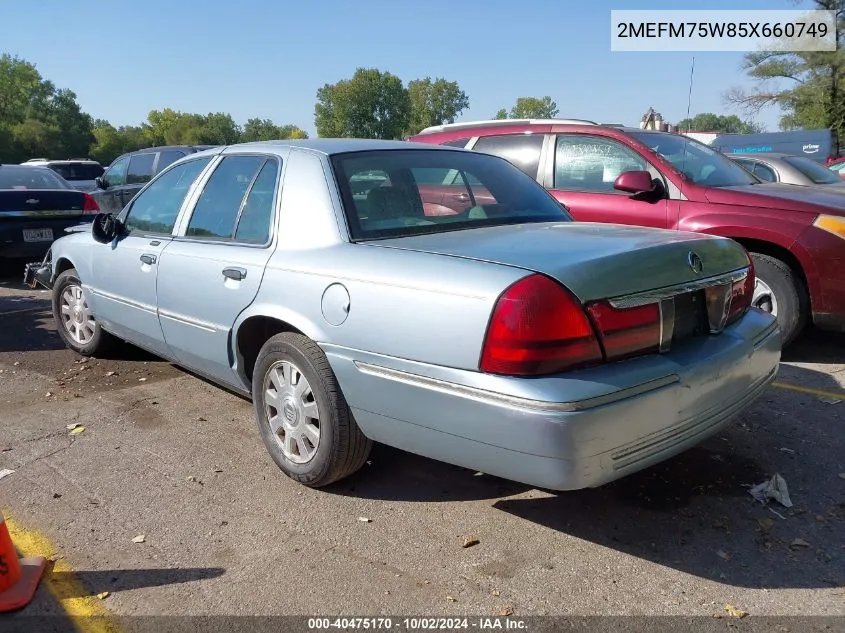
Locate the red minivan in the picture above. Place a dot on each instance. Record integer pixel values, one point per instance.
(612, 174)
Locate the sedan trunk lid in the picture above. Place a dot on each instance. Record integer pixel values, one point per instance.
(595, 261)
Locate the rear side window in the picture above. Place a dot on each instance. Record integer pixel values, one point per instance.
(458, 142)
(228, 194)
(168, 157)
(764, 173)
(155, 209)
(522, 150)
(140, 169)
(819, 174)
(77, 171)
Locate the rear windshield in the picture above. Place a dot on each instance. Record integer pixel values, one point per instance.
(395, 193)
(811, 169)
(25, 177)
(77, 171)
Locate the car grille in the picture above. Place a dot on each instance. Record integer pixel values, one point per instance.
(690, 316)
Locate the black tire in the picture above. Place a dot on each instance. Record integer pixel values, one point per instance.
(789, 294)
(99, 343)
(342, 448)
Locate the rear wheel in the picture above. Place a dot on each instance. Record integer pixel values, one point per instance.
(303, 418)
(74, 320)
(778, 290)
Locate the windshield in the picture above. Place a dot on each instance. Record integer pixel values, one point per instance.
(699, 163)
(77, 171)
(395, 193)
(819, 174)
(25, 177)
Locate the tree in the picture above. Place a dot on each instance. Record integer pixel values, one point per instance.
(435, 102)
(726, 124)
(266, 130)
(372, 104)
(35, 118)
(530, 108)
(218, 128)
(807, 85)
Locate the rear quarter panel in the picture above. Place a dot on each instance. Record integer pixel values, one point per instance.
(775, 226)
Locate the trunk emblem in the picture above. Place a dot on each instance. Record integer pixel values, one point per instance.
(32, 201)
(695, 263)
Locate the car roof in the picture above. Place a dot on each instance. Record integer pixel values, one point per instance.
(330, 146)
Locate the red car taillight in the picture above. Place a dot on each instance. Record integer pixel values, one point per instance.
(89, 205)
(626, 332)
(538, 327)
(742, 292)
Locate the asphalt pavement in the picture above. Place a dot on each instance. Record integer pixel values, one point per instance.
(167, 501)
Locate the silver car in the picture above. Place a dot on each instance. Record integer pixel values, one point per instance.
(788, 169)
(314, 277)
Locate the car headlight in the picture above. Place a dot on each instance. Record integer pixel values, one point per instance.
(832, 224)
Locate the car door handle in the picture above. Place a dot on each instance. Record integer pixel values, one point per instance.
(234, 273)
(462, 197)
(148, 259)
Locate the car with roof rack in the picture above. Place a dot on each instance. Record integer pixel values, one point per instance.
(505, 339)
(625, 175)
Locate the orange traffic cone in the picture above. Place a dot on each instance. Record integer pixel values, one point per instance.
(19, 578)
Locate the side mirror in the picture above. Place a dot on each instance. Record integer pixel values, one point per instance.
(102, 183)
(634, 182)
(106, 227)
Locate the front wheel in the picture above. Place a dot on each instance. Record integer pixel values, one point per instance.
(74, 320)
(303, 418)
(778, 290)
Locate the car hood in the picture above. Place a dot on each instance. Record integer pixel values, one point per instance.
(595, 261)
(777, 195)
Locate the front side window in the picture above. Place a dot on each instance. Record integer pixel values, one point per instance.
(696, 161)
(592, 163)
(396, 206)
(116, 174)
(523, 150)
(819, 174)
(156, 208)
(224, 196)
(140, 169)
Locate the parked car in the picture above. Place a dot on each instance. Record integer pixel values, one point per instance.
(36, 206)
(492, 339)
(788, 169)
(838, 167)
(128, 173)
(81, 173)
(670, 181)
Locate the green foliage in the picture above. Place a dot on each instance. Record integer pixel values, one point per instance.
(726, 124)
(36, 119)
(372, 104)
(530, 108)
(266, 130)
(807, 86)
(434, 102)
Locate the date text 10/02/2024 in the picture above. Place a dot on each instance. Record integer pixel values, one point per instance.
(418, 623)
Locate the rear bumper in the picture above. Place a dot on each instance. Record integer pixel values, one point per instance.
(602, 424)
(13, 245)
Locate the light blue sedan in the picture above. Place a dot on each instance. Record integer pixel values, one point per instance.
(322, 279)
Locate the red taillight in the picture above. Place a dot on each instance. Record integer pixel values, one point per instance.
(626, 332)
(742, 292)
(538, 327)
(89, 205)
